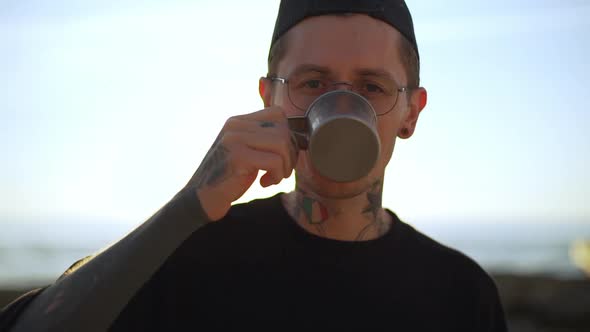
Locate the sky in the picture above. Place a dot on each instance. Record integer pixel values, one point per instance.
(108, 107)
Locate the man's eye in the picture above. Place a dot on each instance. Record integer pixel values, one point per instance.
(373, 88)
(313, 84)
(310, 86)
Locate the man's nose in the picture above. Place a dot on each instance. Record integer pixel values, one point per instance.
(342, 86)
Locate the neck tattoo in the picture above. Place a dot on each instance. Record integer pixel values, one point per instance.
(374, 195)
(315, 212)
(310, 211)
(378, 222)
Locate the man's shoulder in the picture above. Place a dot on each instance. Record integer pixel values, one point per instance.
(470, 288)
(250, 217)
(460, 274)
(261, 208)
(437, 255)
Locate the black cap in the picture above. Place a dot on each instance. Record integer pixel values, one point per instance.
(392, 12)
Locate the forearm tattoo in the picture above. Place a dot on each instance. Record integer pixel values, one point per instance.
(91, 294)
(214, 168)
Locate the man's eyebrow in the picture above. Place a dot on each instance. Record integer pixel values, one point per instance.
(375, 72)
(380, 73)
(310, 68)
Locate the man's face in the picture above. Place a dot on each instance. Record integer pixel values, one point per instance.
(345, 48)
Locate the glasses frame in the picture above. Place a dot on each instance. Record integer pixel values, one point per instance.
(285, 81)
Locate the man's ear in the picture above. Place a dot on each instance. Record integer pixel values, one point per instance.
(418, 98)
(265, 90)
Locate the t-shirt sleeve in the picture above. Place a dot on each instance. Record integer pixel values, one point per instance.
(491, 316)
(10, 313)
(474, 300)
(481, 308)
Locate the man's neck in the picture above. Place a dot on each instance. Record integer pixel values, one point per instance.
(357, 218)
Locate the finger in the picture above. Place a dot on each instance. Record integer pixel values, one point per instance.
(247, 161)
(273, 113)
(255, 125)
(266, 180)
(272, 140)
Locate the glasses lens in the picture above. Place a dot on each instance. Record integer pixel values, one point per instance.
(382, 104)
(304, 90)
(381, 93)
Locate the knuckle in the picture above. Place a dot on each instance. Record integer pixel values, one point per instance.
(222, 139)
(286, 147)
(230, 137)
(277, 160)
(275, 112)
(272, 161)
(237, 156)
(278, 165)
(230, 122)
(226, 137)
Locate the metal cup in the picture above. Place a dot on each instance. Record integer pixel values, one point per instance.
(340, 131)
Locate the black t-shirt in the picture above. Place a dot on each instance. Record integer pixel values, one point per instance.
(256, 269)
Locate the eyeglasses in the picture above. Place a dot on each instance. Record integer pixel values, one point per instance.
(303, 91)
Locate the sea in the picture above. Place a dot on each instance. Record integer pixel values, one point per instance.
(34, 254)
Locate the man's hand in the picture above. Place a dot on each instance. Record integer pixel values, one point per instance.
(246, 144)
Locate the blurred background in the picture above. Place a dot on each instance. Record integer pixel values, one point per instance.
(107, 108)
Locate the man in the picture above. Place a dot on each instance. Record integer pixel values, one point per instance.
(326, 255)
